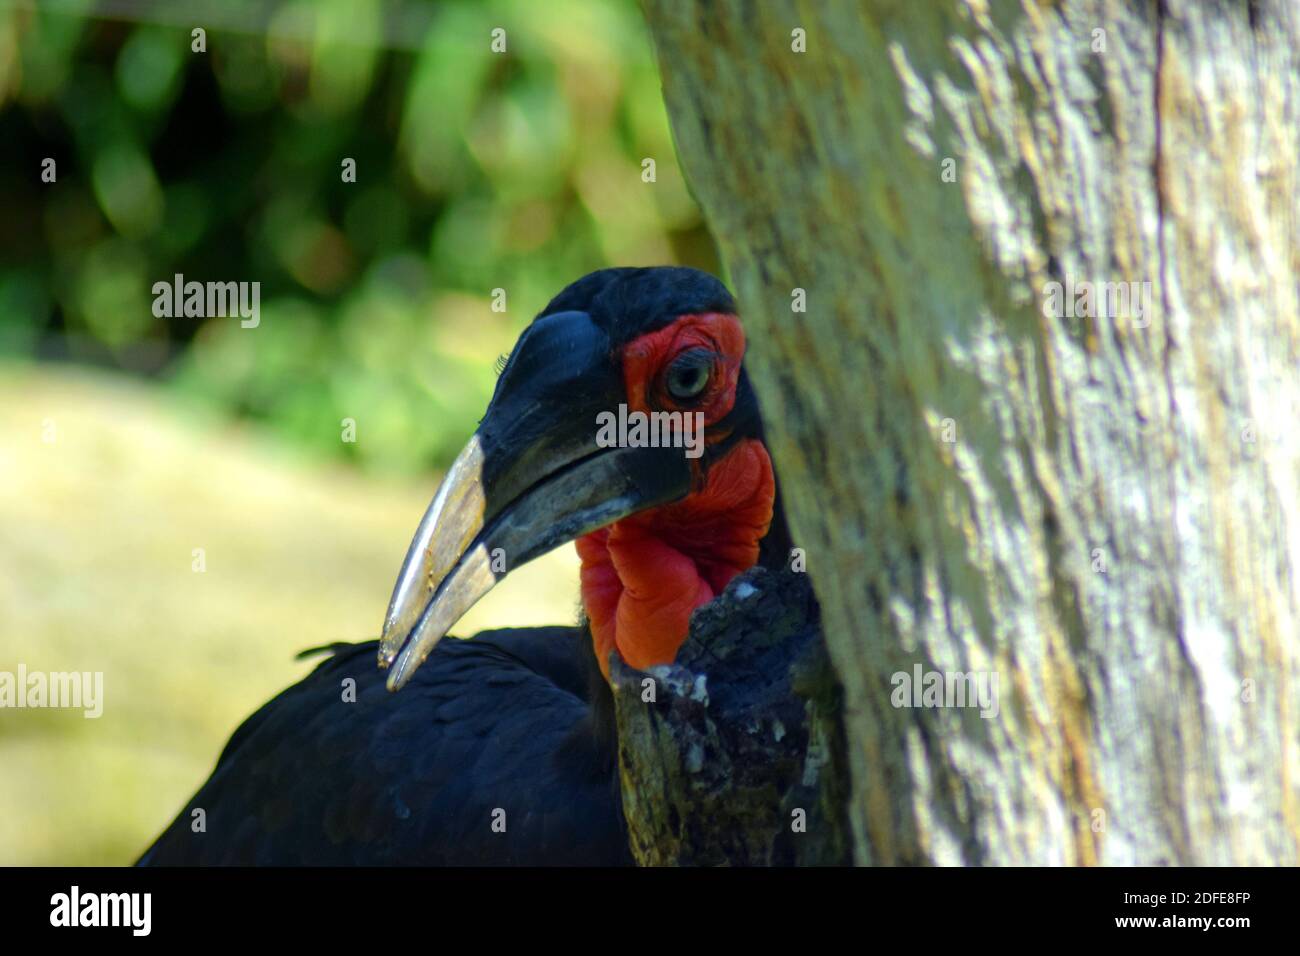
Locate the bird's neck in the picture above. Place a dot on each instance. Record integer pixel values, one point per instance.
(644, 575)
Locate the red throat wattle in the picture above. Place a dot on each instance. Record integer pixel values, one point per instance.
(643, 575)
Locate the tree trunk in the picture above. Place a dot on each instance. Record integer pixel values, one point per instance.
(1094, 504)
(734, 754)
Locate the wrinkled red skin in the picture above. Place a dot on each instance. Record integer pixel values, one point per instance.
(644, 575)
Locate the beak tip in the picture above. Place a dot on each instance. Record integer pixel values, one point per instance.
(398, 676)
(395, 656)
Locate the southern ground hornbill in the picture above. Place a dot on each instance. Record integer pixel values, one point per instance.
(502, 749)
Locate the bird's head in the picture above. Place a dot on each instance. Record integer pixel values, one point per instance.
(622, 419)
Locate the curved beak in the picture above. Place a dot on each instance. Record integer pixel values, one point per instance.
(530, 479)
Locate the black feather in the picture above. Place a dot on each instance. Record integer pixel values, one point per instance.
(505, 721)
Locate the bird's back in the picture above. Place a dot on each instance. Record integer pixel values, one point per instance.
(497, 753)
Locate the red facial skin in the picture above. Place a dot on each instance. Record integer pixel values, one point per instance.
(644, 575)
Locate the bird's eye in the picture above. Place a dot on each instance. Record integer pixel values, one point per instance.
(689, 374)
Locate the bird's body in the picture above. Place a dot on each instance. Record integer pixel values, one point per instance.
(500, 751)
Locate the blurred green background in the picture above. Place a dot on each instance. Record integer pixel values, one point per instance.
(128, 440)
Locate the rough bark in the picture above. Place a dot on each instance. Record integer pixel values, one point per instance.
(1103, 512)
(734, 754)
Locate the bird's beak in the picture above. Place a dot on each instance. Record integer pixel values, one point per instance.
(530, 479)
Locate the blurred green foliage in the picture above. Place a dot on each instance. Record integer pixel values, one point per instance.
(476, 170)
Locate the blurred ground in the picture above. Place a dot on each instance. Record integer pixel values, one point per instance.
(106, 488)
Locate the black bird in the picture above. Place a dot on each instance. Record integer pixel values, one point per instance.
(622, 419)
